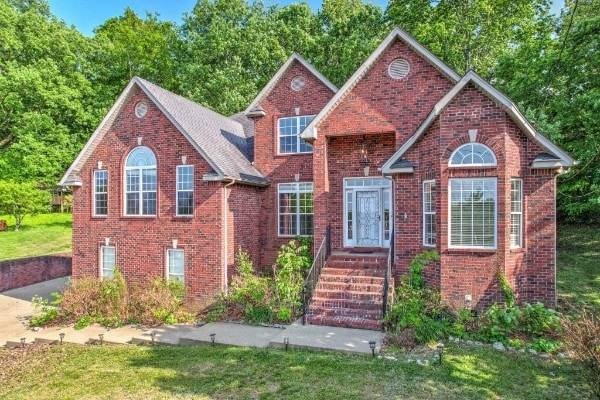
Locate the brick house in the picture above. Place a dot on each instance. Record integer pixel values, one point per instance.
(407, 156)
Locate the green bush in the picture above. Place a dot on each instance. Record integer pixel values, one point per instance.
(47, 311)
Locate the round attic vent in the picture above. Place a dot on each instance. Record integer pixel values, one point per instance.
(141, 109)
(298, 83)
(398, 68)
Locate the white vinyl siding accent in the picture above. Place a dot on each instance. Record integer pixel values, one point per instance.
(175, 265)
(429, 227)
(185, 190)
(140, 182)
(295, 209)
(100, 193)
(288, 135)
(107, 261)
(516, 213)
(472, 209)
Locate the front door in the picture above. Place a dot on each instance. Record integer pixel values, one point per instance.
(367, 212)
(368, 218)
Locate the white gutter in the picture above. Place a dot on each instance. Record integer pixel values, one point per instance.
(225, 275)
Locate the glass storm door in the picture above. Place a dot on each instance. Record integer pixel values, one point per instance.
(368, 218)
(367, 212)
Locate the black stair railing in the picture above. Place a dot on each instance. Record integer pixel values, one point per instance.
(388, 275)
(312, 278)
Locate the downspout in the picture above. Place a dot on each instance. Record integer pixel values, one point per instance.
(225, 276)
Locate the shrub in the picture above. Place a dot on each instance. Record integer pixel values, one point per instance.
(293, 262)
(417, 308)
(114, 302)
(582, 336)
(47, 310)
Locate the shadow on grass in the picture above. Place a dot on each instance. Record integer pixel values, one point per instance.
(231, 372)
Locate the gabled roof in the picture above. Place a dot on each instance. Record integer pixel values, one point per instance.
(221, 141)
(559, 157)
(310, 132)
(255, 107)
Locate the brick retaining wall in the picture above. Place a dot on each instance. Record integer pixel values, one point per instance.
(27, 271)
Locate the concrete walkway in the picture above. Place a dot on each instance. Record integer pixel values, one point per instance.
(15, 311)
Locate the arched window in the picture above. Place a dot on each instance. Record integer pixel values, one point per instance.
(140, 182)
(473, 154)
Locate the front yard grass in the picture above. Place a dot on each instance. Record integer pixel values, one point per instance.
(203, 372)
(578, 266)
(39, 235)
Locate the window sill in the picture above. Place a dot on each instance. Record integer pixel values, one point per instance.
(471, 250)
(99, 216)
(139, 216)
(517, 250)
(281, 155)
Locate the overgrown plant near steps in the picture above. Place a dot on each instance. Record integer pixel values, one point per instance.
(115, 302)
(422, 311)
(262, 299)
(416, 307)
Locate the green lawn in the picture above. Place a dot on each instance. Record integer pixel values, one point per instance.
(221, 372)
(578, 272)
(38, 235)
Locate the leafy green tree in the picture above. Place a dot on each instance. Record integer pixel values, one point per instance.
(45, 113)
(469, 34)
(129, 46)
(22, 199)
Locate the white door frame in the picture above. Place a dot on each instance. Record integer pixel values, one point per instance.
(351, 187)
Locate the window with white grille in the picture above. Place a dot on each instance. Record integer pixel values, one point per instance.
(516, 213)
(429, 228)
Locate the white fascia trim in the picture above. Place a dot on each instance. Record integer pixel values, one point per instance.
(390, 171)
(100, 131)
(97, 132)
(277, 77)
(550, 164)
(222, 178)
(364, 68)
(508, 106)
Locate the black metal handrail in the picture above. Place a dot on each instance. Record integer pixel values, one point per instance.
(312, 278)
(388, 275)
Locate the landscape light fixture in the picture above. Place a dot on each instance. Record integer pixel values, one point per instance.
(286, 341)
(372, 346)
(23, 342)
(101, 336)
(62, 336)
(152, 336)
(440, 349)
(212, 338)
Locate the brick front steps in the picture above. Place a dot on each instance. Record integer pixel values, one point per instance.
(349, 290)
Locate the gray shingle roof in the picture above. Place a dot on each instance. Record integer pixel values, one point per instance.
(401, 163)
(223, 140)
(546, 157)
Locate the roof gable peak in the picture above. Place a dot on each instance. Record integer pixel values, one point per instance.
(255, 104)
(310, 133)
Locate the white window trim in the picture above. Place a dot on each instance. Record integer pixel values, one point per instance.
(298, 192)
(101, 261)
(177, 190)
(450, 246)
(140, 191)
(495, 163)
(298, 138)
(520, 213)
(381, 183)
(167, 265)
(425, 183)
(94, 194)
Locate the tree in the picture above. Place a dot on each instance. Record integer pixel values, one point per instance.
(22, 199)
(45, 109)
(469, 34)
(129, 46)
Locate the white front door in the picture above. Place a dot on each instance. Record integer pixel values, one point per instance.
(367, 212)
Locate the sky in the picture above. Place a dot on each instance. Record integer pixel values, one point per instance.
(88, 14)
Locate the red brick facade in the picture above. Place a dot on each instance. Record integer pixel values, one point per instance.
(379, 111)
